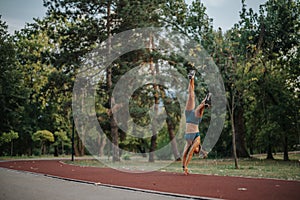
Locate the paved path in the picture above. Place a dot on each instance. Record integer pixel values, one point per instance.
(17, 185)
(176, 183)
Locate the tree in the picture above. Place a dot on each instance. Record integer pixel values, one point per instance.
(43, 137)
(272, 79)
(13, 94)
(8, 138)
(43, 84)
(279, 25)
(262, 47)
(133, 15)
(173, 121)
(61, 140)
(113, 124)
(74, 27)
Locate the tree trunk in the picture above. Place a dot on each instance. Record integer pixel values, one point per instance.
(43, 148)
(269, 152)
(76, 151)
(113, 124)
(81, 137)
(101, 144)
(11, 148)
(56, 154)
(154, 130)
(156, 102)
(80, 146)
(234, 144)
(62, 148)
(285, 149)
(152, 148)
(240, 133)
(231, 113)
(173, 140)
(115, 139)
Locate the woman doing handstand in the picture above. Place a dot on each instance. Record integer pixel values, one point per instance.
(193, 118)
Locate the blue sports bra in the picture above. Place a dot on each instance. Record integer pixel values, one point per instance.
(191, 118)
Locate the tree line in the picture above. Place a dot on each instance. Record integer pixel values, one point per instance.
(258, 59)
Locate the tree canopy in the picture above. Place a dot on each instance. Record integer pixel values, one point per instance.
(258, 59)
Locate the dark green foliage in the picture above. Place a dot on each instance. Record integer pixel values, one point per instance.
(13, 94)
(258, 59)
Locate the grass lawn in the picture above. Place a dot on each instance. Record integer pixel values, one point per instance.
(25, 157)
(255, 167)
(248, 168)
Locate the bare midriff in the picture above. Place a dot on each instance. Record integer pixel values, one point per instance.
(191, 128)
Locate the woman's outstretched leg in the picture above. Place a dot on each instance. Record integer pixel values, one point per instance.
(190, 104)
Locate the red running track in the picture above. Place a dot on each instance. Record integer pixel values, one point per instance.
(223, 187)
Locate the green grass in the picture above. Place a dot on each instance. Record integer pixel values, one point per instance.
(255, 167)
(33, 157)
(247, 168)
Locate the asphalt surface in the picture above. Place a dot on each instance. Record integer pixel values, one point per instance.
(17, 185)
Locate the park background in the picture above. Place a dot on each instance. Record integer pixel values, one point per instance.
(258, 58)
